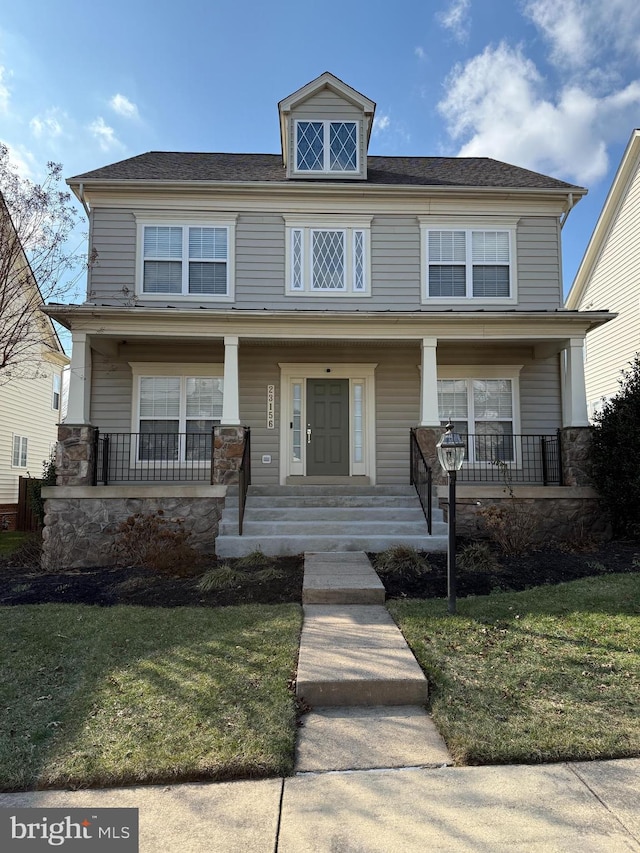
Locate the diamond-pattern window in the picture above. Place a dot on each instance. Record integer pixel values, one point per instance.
(297, 282)
(327, 146)
(328, 260)
(358, 261)
(343, 146)
(310, 146)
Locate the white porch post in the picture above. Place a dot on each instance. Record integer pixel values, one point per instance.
(574, 392)
(79, 380)
(429, 384)
(231, 395)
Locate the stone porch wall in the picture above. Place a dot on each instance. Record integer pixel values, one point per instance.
(80, 523)
(559, 513)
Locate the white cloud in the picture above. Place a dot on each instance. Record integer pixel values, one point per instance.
(21, 160)
(5, 94)
(420, 52)
(583, 31)
(496, 106)
(123, 106)
(381, 123)
(46, 125)
(105, 135)
(456, 19)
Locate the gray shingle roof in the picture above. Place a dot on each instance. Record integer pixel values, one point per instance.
(409, 171)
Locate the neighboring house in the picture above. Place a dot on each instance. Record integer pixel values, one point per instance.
(30, 392)
(609, 279)
(328, 299)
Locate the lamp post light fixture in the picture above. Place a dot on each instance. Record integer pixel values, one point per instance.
(451, 449)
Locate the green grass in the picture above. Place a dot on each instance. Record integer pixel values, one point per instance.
(10, 541)
(550, 674)
(94, 696)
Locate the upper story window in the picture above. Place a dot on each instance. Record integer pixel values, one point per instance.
(19, 451)
(327, 259)
(469, 264)
(326, 146)
(188, 260)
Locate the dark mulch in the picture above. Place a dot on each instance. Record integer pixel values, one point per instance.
(22, 583)
(145, 587)
(536, 568)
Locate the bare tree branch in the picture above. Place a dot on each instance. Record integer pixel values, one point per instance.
(36, 264)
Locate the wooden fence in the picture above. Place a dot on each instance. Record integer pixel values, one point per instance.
(26, 519)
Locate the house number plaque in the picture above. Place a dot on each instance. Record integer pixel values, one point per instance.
(271, 399)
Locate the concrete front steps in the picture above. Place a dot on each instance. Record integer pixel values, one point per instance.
(286, 520)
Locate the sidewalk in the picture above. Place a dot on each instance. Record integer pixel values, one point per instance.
(589, 807)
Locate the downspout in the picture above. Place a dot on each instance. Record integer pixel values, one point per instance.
(83, 202)
(563, 218)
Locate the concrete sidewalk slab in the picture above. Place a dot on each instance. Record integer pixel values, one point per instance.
(497, 809)
(617, 783)
(224, 817)
(331, 579)
(365, 738)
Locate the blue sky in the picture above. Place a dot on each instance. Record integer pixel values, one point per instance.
(552, 85)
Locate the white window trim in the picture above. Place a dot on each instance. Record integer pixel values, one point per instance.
(357, 374)
(470, 372)
(24, 441)
(325, 147)
(185, 223)
(143, 369)
(467, 225)
(307, 225)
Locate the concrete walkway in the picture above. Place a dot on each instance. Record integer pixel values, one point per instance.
(587, 807)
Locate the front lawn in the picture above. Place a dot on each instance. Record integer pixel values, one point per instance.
(10, 541)
(97, 696)
(549, 674)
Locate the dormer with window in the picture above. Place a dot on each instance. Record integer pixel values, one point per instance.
(325, 129)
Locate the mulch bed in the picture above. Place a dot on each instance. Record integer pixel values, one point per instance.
(106, 586)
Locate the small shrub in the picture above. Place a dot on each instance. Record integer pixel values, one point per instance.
(221, 578)
(580, 541)
(510, 525)
(155, 542)
(478, 558)
(401, 563)
(256, 561)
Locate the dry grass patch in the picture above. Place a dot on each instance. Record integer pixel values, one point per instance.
(549, 674)
(93, 696)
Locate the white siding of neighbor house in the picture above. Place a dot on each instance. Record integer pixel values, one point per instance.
(397, 384)
(260, 265)
(26, 409)
(615, 286)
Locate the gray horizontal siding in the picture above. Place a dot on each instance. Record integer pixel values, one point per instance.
(260, 265)
(397, 383)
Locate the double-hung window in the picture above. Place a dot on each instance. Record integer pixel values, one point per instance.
(19, 452)
(469, 264)
(328, 259)
(175, 409)
(327, 146)
(485, 408)
(187, 260)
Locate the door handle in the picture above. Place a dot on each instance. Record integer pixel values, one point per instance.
(308, 435)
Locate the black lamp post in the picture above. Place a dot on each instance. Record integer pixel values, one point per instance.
(451, 455)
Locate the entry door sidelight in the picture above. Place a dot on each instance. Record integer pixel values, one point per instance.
(327, 432)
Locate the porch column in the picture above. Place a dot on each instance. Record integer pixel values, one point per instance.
(79, 380)
(574, 392)
(429, 416)
(231, 395)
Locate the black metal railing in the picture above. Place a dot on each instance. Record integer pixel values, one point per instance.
(154, 456)
(531, 459)
(421, 478)
(244, 478)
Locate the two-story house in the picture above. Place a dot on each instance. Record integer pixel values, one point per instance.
(31, 384)
(329, 300)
